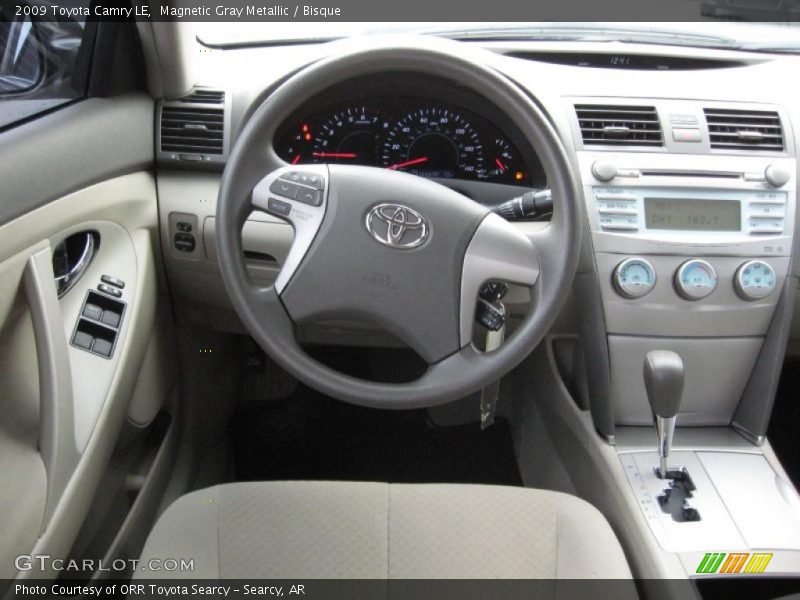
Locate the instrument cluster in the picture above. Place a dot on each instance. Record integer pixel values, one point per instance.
(427, 138)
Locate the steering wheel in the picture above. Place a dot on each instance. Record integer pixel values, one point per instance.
(384, 247)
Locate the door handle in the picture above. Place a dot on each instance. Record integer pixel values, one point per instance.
(67, 275)
(56, 414)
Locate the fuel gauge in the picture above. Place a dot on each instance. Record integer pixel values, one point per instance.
(503, 164)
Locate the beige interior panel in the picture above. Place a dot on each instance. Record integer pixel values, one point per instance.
(24, 489)
(123, 211)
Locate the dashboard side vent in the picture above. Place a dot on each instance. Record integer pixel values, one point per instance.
(195, 130)
(619, 125)
(192, 128)
(735, 129)
(205, 97)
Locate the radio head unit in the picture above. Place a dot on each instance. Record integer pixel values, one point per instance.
(666, 213)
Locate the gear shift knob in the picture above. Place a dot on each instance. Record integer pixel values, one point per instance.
(663, 380)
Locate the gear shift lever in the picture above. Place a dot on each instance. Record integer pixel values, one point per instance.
(663, 379)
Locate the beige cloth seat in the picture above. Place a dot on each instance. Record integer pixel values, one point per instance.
(321, 530)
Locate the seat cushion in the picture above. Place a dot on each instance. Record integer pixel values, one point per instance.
(333, 530)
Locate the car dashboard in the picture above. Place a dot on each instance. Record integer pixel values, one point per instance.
(686, 160)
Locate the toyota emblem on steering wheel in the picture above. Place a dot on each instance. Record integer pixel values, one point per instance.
(397, 226)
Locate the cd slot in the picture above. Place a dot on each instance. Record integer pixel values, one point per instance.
(677, 173)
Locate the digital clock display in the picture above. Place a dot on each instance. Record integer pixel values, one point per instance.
(692, 215)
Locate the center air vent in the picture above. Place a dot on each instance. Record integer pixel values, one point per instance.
(734, 129)
(192, 128)
(619, 125)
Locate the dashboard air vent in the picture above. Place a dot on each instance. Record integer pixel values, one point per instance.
(619, 125)
(734, 129)
(205, 97)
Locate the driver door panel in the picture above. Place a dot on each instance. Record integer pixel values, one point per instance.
(62, 405)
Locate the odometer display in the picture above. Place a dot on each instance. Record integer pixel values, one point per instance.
(435, 142)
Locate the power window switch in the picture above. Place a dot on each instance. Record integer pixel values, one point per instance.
(115, 281)
(111, 319)
(102, 347)
(81, 339)
(92, 311)
(184, 227)
(111, 291)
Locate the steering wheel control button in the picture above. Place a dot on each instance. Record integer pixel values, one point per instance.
(111, 291)
(695, 279)
(279, 207)
(491, 315)
(184, 242)
(634, 278)
(309, 196)
(110, 280)
(310, 179)
(755, 280)
(287, 189)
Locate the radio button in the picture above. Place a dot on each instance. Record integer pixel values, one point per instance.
(621, 224)
(612, 210)
(766, 229)
(618, 196)
(777, 175)
(776, 212)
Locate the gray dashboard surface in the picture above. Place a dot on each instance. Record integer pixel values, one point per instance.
(76, 146)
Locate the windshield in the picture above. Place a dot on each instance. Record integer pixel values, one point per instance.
(744, 36)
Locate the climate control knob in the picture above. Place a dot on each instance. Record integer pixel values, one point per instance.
(754, 280)
(695, 279)
(634, 278)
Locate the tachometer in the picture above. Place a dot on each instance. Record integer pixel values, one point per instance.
(434, 142)
(350, 136)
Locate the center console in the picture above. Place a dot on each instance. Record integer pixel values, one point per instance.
(691, 208)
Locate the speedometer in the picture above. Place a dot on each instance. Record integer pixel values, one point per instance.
(435, 142)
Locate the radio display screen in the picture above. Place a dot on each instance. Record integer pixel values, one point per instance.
(692, 215)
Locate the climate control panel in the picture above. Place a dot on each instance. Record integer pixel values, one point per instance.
(694, 279)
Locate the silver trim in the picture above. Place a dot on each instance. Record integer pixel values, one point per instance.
(399, 221)
(746, 294)
(498, 251)
(304, 218)
(688, 294)
(619, 286)
(65, 282)
(665, 430)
